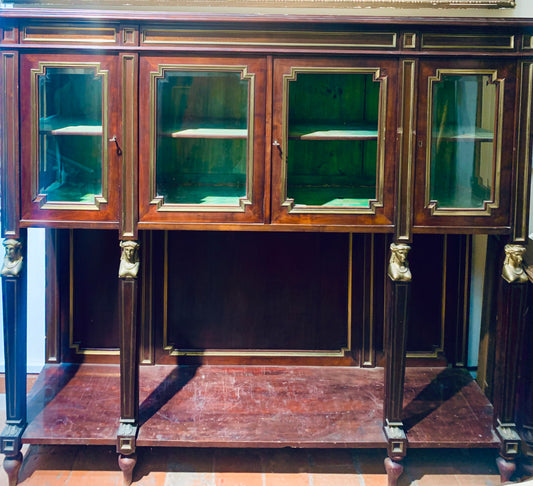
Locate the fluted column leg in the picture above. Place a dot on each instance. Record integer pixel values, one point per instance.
(14, 297)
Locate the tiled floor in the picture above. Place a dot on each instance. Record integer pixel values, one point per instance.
(97, 466)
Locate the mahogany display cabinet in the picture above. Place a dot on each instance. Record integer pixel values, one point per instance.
(231, 202)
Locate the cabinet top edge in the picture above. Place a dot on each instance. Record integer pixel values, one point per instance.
(382, 18)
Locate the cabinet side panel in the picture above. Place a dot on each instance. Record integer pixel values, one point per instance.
(9, 140)
(521, 210)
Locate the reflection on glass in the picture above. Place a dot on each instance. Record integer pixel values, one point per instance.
(202, 137)
(462, 140)
(70, 134)
(333, 139)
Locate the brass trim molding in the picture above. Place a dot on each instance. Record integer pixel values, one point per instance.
(76, 346)
(520, 226)
(494, 203)
(333, 353)
(159, 201)
(62, 33)
(468, 41)
(157, 36)
(288, 203)
(41, 199)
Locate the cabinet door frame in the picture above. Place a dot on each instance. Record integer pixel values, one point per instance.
(36, 210)
(153, 209)
(495, 213)
(380, 212)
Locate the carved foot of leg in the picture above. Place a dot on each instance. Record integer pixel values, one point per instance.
(506, 468)
(394, 471)
(126, 464)
(12, 467)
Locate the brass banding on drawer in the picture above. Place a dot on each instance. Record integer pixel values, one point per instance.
(156, 36)
(469, 41)
(65, 34)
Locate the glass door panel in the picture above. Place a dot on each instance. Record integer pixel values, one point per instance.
(202, 138)
(463, 137)
(333, 127)
(70, 134)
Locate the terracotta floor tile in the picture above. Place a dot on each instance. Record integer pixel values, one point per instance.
(375, 480)
(287, 479)
(90, 478)
(438, 480)
(45, 478)
(479, 480)
(336, 479)
(190, 479)
(238, 479)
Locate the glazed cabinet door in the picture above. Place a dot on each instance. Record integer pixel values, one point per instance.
(333, 142)
(71, 137)
(466, 135)
(202, 122)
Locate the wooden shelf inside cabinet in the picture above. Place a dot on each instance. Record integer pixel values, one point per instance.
(257, 406)
(218, 133)
(61, 126)
(475, 134)
(312, 132)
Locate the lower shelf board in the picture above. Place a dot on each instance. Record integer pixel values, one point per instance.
(257, 406)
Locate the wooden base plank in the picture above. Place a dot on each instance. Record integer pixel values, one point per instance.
(258, 406)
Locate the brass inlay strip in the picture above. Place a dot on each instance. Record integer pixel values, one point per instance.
(527, 43)
(159, 201)
(269, 38)
(488, 206)
(368, 357)
(72, 345)
(520, 227)
(129, 153)
(409, 41)
(468, 41)
(380, 172)
(9, 161)
(62, 33)
(173, 351)
(407, 120)
(41, 199)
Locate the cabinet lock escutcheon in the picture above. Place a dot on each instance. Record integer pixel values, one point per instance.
(114, 139)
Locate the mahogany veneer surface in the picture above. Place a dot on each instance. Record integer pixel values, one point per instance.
(257, 406)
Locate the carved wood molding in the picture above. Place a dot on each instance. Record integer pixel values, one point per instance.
(438, 4)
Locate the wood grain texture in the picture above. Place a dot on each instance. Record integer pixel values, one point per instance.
(258, 406)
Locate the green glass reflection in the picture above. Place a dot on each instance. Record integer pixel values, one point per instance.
(462, 140)
(333, 139)
(202, 137)
(70, 134)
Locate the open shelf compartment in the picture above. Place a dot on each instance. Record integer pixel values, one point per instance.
(257, 406)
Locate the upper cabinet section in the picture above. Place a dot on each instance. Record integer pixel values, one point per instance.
(332, 155)
(202, 156)
(464, 160)
(68, 118)
(139, 120)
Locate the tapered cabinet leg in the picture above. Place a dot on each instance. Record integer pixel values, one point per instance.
(13, 274)
(12, 465)
(398, 295)
(506, 469)
(510, 332)
(394, 471)
(129, 363)
(126, 465)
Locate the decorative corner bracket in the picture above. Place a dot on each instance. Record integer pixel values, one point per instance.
(129, 259)
(513, 269)
(13, 259)
(398, 270)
